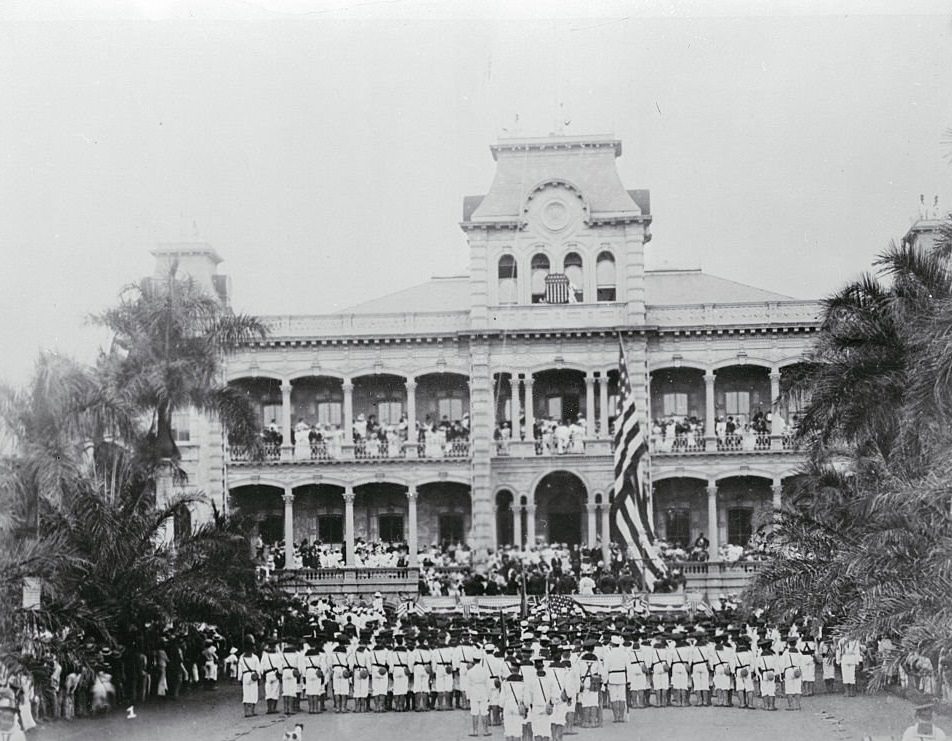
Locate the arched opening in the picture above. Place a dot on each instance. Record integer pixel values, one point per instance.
(380, 513)
(319, 514)
(677, 409)
(742, 393)
(442, 405)
(507, 275)
(559, 395)
(539, 269)
(606, 281)
(793, 407)
(573, 269)
(265, 395)
(444, 513)
(745, 511)
(680, 511)
(379, 410)
(560, 501)
(263, 506)
(505, 531)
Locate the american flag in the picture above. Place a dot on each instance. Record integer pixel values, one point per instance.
(558, 605)
(410, 607)
(629, 510)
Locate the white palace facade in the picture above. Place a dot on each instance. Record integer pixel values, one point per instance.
(490, 347)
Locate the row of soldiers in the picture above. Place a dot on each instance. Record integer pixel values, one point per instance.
(554, 677)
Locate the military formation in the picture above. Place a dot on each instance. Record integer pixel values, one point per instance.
(543, 676)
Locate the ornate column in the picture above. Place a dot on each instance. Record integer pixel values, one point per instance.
(348, 388)
(709, 412)
(774, 388)
(530, 525)
(517, 525)
(591, 512)
(286, 448)
(412, 524)
(530, 407)
(349, 526)
(713, 532)
(289, 560)
(606, 531)
(516, 406)
(411, 417)
(589, 404)
(603, 404)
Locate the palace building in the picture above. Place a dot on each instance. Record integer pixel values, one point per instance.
(527, 339)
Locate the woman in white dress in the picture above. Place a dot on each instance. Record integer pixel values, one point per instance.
(432, 447)
(302, 446)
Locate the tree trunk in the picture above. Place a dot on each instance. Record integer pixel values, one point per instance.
(165, 446)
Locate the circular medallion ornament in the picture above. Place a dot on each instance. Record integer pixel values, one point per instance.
(555, 215)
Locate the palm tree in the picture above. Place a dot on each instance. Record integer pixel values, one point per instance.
(867, 540)
(170, 339)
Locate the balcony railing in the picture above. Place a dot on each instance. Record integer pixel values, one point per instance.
(695, 442)
(374, 448)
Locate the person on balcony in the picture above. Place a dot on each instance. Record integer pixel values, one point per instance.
(359, 430)
(334, 439)
(700, 551)
(577, 435)
(563, 437)
(302, 447)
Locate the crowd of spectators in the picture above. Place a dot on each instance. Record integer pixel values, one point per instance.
(551, 436)
(163, 663)
(680, 433)
(435, 439)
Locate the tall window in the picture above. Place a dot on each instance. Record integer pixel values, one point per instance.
(391, 528)
(329, 413)
(605, 279)
(270, 412)
(740, 525)
(553, 407)
(675, 404)
(677, 527)
(507, 280)
(450, 408)
(451, 529)
(182, 426)
(539, 269)
(389, 412)
(737, 405)
(576, 276)
(330, 528)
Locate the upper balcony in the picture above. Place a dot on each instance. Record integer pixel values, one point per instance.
(371, 417)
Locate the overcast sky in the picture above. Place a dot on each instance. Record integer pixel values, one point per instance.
(324, 149)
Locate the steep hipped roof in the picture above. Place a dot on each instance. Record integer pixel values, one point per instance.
(663, 288)
(669, 287)
(587, 164)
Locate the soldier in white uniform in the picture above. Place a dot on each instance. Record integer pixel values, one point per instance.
(791, 662)
(659, 666)
(314, 681)
(360, 667)
(340, 676)
(564, 699)
(514, 711)
(290, 670)
(498, 671)
(271, 672)
(461, 661)
(808, 667)
(721, 664)
(401, 671)
(700, 670)
(590, 680)
(680, 670)
(477, 687)
(850, 657)
(616, 677)
(744, 666)
(420, 660)
(767, 674)
(380, 675)
(441, 658)
(540, 689)
(249, 672)
(638, 672)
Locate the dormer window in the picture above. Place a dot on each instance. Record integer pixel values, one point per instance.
(508, 290)
(575, 274)
(539, 270)
(605, 278)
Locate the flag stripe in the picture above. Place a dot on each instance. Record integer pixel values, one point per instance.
(630, 506)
